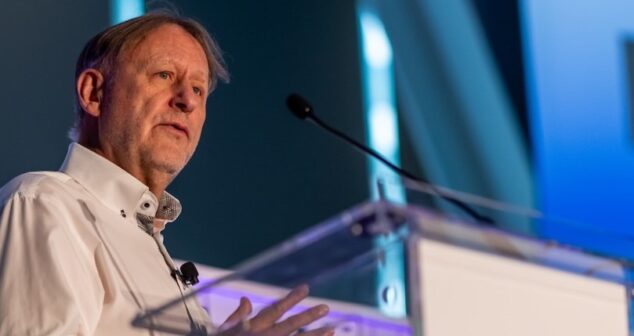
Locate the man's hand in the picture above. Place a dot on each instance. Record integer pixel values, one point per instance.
(265, 322)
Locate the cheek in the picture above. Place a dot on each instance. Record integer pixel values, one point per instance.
(117, 119)
(126, 110)
(148, 112)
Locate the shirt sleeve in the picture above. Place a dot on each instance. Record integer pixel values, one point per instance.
(48, 282)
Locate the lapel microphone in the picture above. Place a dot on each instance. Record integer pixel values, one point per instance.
(188, 273)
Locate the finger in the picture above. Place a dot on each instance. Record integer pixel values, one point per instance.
(298, 321)
(324, 331)
(269, 315)
(241, 313)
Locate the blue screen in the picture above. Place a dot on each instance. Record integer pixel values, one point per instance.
(578, 69)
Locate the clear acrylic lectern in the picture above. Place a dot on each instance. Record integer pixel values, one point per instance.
(463, 277)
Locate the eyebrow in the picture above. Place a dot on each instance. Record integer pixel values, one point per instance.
(159, 60)
(200, 75)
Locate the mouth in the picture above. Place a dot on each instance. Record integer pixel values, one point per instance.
(177, 127)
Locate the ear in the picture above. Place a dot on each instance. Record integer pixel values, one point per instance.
(90, 91)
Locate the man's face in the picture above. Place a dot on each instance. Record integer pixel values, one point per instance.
(154, 103)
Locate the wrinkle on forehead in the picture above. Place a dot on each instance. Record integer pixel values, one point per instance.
(166, 55)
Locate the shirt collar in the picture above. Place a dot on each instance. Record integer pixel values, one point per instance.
(116, 188)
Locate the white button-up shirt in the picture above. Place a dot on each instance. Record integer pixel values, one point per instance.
(73, 259)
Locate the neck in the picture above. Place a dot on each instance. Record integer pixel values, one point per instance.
(156, 185)
(156, 180)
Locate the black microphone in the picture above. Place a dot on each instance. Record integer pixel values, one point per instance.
(303, 110)
(189, 273)
(299, 106)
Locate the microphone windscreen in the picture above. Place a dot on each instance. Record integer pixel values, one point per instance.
(189, 269)
(299, 106)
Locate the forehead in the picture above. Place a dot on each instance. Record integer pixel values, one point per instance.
(168, 43)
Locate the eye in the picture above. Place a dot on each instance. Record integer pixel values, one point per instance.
(164, 75)
(197, 91)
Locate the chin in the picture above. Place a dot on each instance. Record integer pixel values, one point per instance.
(169, 163)
(167, 167)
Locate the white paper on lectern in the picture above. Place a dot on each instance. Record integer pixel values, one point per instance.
(468, 292)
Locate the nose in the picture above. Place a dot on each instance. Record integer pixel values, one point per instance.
(185, 99)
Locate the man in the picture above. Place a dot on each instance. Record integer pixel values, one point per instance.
(81, 249)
